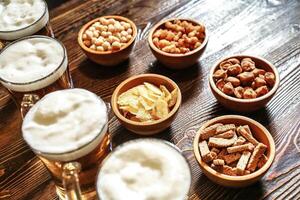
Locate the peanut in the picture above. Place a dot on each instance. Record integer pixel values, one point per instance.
(184, 35)
(270, 78)
(234, 81)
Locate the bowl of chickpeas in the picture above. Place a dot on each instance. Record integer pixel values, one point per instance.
(178, 43)
(108, 40)
(243, 83)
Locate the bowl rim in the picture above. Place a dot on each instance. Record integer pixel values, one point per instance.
(253, 175)
(269, 94)
(128, 121)
(152, 46)
(88, 24)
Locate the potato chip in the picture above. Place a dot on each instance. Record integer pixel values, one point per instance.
(129, 109)
(161, 108)
(174, 96)
(167, 94)
(147, 102)
(143, 115)
(153, 88)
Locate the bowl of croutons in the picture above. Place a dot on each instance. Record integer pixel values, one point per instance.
(178, 43)
(108, 40)
(233, 150)
(243, 83)
(146, 104)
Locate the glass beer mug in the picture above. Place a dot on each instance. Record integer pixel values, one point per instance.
(68, 131)
(23, 18)
(32, 67)
(144, 168)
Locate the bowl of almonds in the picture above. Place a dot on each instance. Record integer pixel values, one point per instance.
(146, 104)
(178, 43)
(233, 150)
(108, 40)
(243, 83)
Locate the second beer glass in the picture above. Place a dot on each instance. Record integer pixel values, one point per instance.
(68, 130)
(32, 67)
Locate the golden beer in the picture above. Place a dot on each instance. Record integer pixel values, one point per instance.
(66, 127)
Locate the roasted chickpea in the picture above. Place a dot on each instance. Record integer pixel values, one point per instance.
(220, 73)
(246, 77)
(238, 92)
(270, 78)
(234, 81)
(262, 91)
(249, 93)
(234, 70)
(228, 89)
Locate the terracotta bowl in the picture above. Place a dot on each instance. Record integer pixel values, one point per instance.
(146, 128)
(108, 58)
(258, 131)
(176, 61)
(245, 105)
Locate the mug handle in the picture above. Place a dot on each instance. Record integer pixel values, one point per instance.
(27, 102)
(70, 178)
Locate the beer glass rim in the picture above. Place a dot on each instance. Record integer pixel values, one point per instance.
(41, 17)
(40, 79)
(41, 153)
(156, 140)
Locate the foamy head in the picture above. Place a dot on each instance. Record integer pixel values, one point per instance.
(144, 169)
(32, 63)
(20, 18)
(66, 124)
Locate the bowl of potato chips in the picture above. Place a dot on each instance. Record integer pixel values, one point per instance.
(146, 104)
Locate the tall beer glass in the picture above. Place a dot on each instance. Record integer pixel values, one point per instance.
(32, 67)
(23, 18)
(68, 131)
(144, 169)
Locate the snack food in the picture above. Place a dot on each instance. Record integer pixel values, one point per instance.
(147, 102)
(107, 34)
(179, 36)
(238, 155)
(242, 79)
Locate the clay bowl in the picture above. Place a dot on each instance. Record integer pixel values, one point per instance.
(108, 58)
(146, 128)
(176, 61)
(245, 105)
(258, 131)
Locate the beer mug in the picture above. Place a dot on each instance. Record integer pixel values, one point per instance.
(144, 169)
(68, 131)
(32, 67)
(23, 18)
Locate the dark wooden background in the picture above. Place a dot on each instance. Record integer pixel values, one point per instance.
(268, 28)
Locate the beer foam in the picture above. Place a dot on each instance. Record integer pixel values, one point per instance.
(32, 59)
(144, 169)
(66, 124)
(19, 18)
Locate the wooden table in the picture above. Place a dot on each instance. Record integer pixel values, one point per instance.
(269, 28)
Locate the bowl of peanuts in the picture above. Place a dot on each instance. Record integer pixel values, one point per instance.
(146, 104)
(178, 43)
(243, 83)
(233, 150)
(108, 40)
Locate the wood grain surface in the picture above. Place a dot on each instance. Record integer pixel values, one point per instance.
(268, 28)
